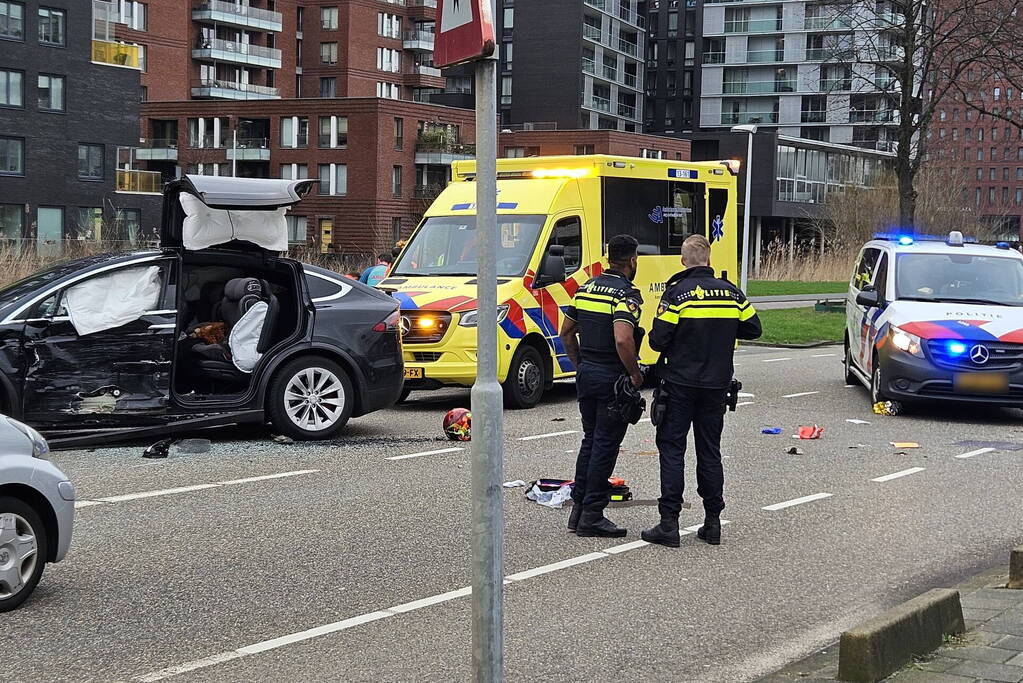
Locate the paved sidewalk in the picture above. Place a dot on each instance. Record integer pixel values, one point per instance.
(991, 649)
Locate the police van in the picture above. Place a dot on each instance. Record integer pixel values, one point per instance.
(930, 319)
(555, 215)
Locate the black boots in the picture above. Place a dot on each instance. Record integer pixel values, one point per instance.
(665, 533)
(573, 516)
(594, 523)
(710, 531)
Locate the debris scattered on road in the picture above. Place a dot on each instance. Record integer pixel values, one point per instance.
(558, 419)
(890, 408)
(192, 446)
(901, 445)
(458, 424)
(550, 498)
(160, 449)
(858, 422)
(813, 432)
(281, 438)
(771, 430)
(794, 451)
(513, 484)
(860, 445)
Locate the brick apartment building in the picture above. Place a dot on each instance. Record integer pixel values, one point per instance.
(530, 143)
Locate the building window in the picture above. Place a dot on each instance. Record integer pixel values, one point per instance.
(514, 152)
(333, 179)
(294, 171)
(333, 132)
(396, 181)
(133, 14)
(980, 173)
(328, 87)
(88, 224)
(90, 162)
(12, 156)
(508, 20)
(399, 133)
(126, 224)
(297, 228)
(584, 149)
(52, 26)
(12, 20)
(388, 25)
(51, 92)
(328, 53)
(12, 90)
(388, 60)
(328, 18)
(12, 220)
(390, 91)
(991, 196)
(294, 131)
(396, 225)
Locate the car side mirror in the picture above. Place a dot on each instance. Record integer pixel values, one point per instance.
(868, 297)
(552, 267)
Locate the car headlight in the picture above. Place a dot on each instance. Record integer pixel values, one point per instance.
(470, 318)
(39, 446)
(904, 341)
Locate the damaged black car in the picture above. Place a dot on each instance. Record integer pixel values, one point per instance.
(215, 327)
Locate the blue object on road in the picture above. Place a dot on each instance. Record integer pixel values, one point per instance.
(771, 430)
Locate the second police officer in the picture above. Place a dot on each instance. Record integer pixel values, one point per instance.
(697, 323)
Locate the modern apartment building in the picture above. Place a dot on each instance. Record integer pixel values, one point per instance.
(816, 70)
(672, 66)
(62, 140)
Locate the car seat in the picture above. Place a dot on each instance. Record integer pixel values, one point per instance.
(240, 295)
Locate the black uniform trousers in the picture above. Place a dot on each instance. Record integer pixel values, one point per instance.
(704, 409)
(602, 435)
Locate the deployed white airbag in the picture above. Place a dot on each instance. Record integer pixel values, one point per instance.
(244, 337)
(118, 298)
(205, 227)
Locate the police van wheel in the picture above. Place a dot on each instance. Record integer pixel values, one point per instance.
(850, 376)
(876, 383)
(526, 380)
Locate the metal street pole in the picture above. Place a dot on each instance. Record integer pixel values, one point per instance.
(234, 153)
(487, 401)
(750, 129)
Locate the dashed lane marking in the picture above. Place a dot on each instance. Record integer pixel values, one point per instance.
(979, 451)
(796, 501)
(644, 419)
(359, 620)
(743, 394)
(548, 435)
(897, 475)
(439, 451)
(744, 403)
(801, 393)
(186, 489)
(774, 360)
(823, 355)
(857, 422)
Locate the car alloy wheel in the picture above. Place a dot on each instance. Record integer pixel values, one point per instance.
(314, 399)
(19, 553)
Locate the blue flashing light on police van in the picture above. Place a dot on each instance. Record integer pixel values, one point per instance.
(905, 240)
(955, 348)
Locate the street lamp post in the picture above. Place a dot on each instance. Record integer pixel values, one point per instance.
(750, 129)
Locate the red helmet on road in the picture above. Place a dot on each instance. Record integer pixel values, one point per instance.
(458, 424)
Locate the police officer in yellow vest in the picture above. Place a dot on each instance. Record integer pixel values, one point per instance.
(697, 323)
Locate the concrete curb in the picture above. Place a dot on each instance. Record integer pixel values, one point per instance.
(1016, 568)
(811, 345)
(880, 646)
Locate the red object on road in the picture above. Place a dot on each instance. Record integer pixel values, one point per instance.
(810, 432)
(465, 32)
(458, 424)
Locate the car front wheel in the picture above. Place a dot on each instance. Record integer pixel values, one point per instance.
(850, 376)
(22, 551)
(877, 384)
(310, 398)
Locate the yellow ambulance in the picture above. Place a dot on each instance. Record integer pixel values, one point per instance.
(555, 216)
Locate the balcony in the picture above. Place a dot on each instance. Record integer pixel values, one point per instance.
(835, 84)
(889, 54)
(230, 90)
(208, 141)
(757, 87)
(813, 116)
(597, 103)
(871, 116)
(879, 145)
(418, 41)
(626, 110)
(443, 153)
(614, 8)
(238, 53)
(885, 20)
(249, 149)
(116, 54)
(753, 26)
(424, 70)
(827, 23)
(158, 149)
(220, 12)
(631, 49)
(713, 57)
(422, 9)
(138, 182)
(761, 56)
(592, 32)
(589, 66)
(735, 118)
(821, 54)
(630, 81)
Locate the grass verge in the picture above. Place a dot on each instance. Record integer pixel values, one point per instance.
(782, 287)
(801, 326)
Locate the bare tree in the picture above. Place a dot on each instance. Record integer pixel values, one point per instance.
(907, 58)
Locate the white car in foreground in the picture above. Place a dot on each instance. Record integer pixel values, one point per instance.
(37, 508)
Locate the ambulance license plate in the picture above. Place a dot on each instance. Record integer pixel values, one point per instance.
(981, 383)
(413, 373)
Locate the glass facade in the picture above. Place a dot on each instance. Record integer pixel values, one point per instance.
(808, 175)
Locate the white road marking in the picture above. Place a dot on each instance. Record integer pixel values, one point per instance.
(744, 403)
(743, 394)
(369, 617)
(644, 419)
(979, 451)
(86, 503)
(696, 527)
(823, 355)
(849, 386)
(896, 475)
(774, 360)
(796, 501)
(858, 422)
(419, 455)
(544, 436)
(265, 477)
(801, 393)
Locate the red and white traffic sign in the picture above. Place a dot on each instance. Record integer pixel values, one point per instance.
(465, 33)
